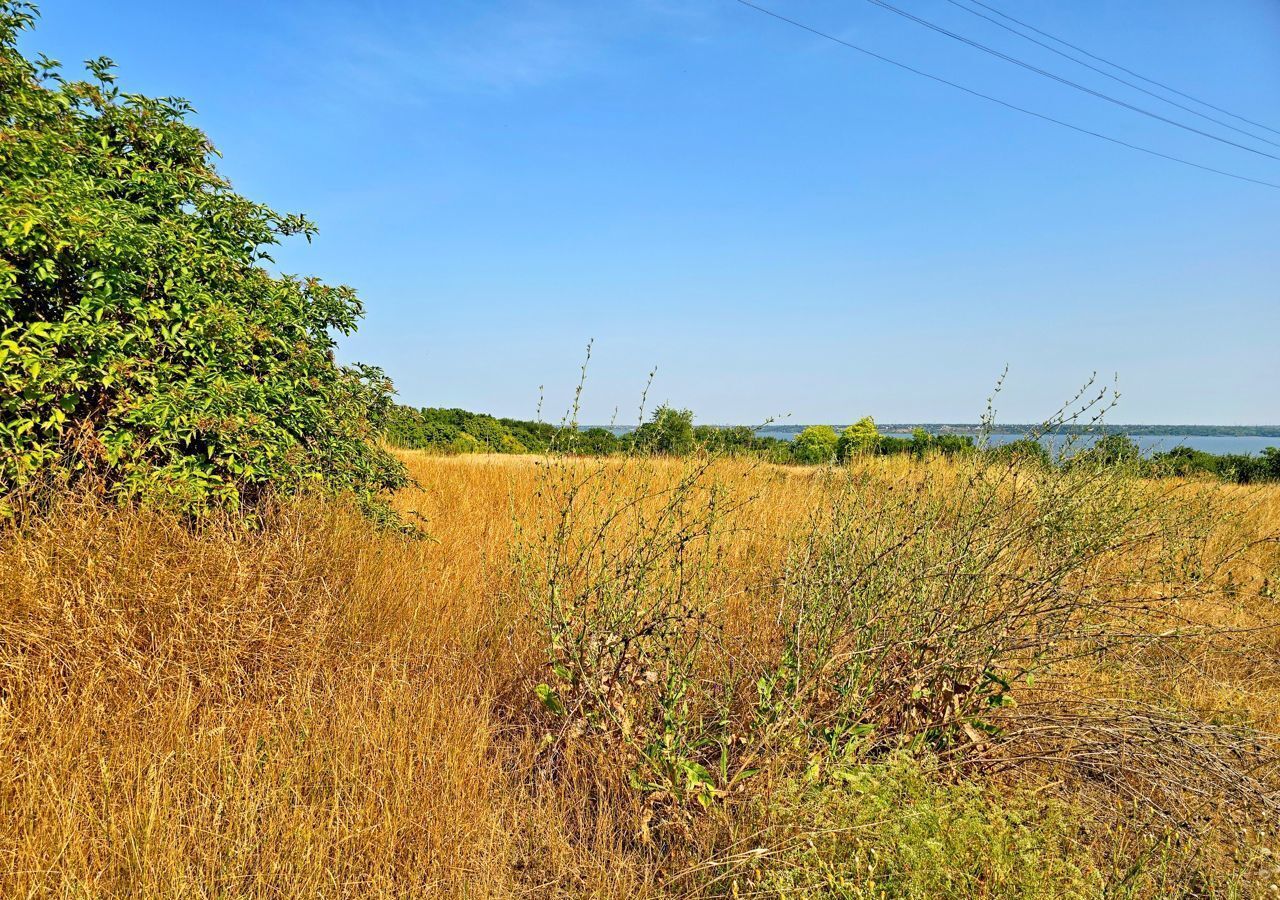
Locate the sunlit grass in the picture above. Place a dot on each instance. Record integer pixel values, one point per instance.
(322, 709)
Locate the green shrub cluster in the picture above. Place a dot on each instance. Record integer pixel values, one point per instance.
(815, 445)
(1181, 461)
(1235, 467)
(921, 443)
(459, 431)
(740, 440)
(145, 346)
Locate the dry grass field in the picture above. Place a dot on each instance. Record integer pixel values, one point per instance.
(642, 679)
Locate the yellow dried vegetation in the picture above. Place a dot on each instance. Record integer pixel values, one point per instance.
(650, 678)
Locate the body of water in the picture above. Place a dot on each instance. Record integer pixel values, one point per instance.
(1150, 443)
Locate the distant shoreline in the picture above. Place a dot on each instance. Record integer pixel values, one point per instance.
(1266, 431)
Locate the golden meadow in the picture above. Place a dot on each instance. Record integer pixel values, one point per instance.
(651, 678)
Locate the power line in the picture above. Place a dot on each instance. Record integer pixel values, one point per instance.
(997, 100)
(1122, 68)
(1103, 72)
(933, 26)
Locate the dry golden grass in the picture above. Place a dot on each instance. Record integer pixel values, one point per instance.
(318, 709)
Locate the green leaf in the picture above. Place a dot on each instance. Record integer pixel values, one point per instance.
(550, 699)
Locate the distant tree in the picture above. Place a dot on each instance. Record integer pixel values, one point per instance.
(951, 444)
(921, 442)
(1271, 463)
(777, 451)
(740, 437)
(732, 440)
(509, 443)
(888, 445)
(1024, 451)
(465, 443)
(410, 428)
(595, 442)
(1183, 461)
(709, 437)
(1237, 467)
(487, 430)
(669, 432)
(816, 444)
(535, 437)
(460, 431)
(1242, 468)
(1111, 450)
(859, 438)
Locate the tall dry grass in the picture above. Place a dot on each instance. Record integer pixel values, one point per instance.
(643, 679)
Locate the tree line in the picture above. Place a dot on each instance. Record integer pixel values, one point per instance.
(670, 431)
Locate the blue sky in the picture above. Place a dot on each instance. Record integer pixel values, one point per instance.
(781, 226)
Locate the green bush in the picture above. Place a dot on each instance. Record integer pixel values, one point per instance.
(1235, 467)
(144, 345)
(860, 437)
(535, 437)
(1025, 451)
(596, 442)
(951, 444)
(816, 444)
(408, 428)
(1111, 450)
(459, 431)
(668, 433)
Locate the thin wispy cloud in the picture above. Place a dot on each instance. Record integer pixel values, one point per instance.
(515, 46)
(524, 47)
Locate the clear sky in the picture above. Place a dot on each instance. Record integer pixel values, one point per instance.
(778, 224)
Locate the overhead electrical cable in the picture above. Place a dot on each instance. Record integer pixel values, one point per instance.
(1022, 109)
(933, 26)
(1103, 72)
(1117, 65)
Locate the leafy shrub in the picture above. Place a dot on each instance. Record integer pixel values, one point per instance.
(951, 444)
(1025, 451)
(460, 431)
(410, 429)
(534, 437)
(596, 442)
(668, 433)
(860, 437)
(816, 444)
(1235, 467)
(922, 443)
(1111, 450)
(144, 345)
